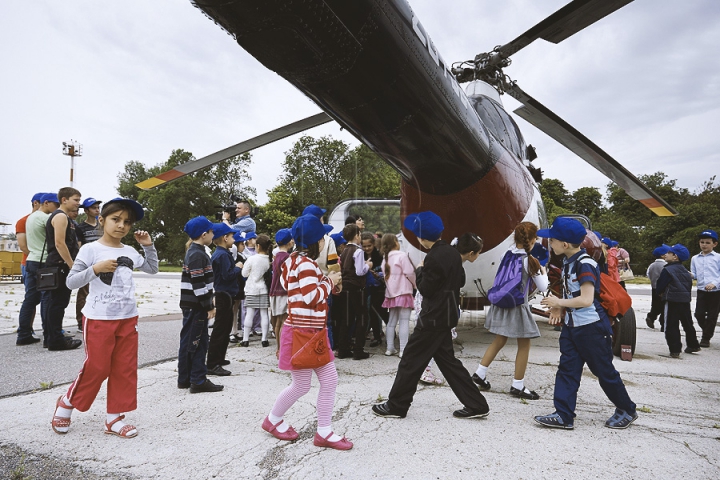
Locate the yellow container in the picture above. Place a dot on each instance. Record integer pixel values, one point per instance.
(6, 256)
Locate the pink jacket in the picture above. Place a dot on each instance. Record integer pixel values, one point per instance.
(401, 280)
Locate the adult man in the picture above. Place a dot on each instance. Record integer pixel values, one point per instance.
(243, 222)
(37, 253)
(87, 232)
(62, 249)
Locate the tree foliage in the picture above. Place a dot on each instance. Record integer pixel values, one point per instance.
(170, 206)
(325, 171)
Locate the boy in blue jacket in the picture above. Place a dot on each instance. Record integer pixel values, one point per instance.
(675, 287)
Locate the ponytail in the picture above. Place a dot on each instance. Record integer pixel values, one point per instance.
(524, 233)
(388, 244)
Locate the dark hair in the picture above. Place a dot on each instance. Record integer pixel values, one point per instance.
(469, 243)
(67, 192)
(526, 232)
(350, 231)
(388, 244)
(113, 207)
(350, 220)
(367, 236)
(312, 251)
(264, 242)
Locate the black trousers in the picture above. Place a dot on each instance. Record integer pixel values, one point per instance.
(706, 312)
(421, 347)
(58, 302)
(220, 337)
(354, 312)
(676, 314)
(375, 296)
(656, 307)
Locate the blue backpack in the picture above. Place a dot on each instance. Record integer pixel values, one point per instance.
(508, 290)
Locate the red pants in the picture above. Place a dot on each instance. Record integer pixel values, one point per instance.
(111, 352)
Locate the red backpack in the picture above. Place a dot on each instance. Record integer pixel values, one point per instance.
(613, 297)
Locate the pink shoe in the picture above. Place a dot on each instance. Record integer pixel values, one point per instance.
(342, 444)
(289, 435)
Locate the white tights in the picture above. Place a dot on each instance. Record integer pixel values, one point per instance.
(401, 317)
(264, 323)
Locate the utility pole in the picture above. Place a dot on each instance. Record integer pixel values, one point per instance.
(72, 149)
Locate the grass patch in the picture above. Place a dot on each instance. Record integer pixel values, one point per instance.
(46, 385)
(645, 409)
(165, 267)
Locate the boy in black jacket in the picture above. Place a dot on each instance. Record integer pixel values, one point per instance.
(675, 287)
(439, 281)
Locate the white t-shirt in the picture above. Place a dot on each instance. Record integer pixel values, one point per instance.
(115, 301)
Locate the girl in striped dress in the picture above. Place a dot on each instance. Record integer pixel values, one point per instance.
(308, 290)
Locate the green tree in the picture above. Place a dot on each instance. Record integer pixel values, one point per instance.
(587, 201)
(324, 171)
(170, 206)
(553, 189)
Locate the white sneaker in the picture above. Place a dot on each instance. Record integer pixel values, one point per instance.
(430, 379)
(401, 353)
(389, 353)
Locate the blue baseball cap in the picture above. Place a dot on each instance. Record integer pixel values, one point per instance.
(135, 206)
(283, 236)
(607, 241)
(709, 234)
(220, 230)
(89, 202)
(338, 239)
(308, 229)
(660, 251)
(313, 209)
(239, 237)
(249, 235)
(565, 229)
(680, 251)
(425, 225)
(541, 253)
(50, 197)
(37, 197)
(195, 227)
(598, 234)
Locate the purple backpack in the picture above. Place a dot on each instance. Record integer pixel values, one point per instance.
(508, 290)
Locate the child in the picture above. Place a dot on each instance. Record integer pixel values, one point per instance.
(308, 291)
(586, 334)
(256, 290)
(439, 281)
(238, 313)
(352, 298)
(225, 274)
(611, 258)
(653, 273)
(399, 284)
(250, 250)
(339, 241)
(196, 302)
(110, 319)
(516, 322)
(675, 287)
(278, 295)
(374, 288)
(705, 268)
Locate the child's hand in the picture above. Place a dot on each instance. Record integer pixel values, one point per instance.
(106, 266)
(550, 301)
(211, 314)
(143, 238)
(335, 278)
(555, 316)
(369, 263)
(239, 264)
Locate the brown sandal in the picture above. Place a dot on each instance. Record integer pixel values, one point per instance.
(123, 431)
(60, 422)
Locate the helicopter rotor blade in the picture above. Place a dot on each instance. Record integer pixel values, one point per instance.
(564, 23)
(242, 147)
(544, 119)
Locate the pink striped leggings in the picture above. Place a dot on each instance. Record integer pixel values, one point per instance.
(327, 374)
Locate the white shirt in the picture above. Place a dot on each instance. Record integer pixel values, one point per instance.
(117, 300)
(253, 269)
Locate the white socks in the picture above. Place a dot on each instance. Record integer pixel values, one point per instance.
(325, 431)
(482, 372)
(117, 426)
(519, 384)
(62, 411)
(282, 427)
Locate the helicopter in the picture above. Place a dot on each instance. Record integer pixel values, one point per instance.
(372, 67)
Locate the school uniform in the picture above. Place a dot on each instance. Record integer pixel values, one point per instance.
(439, 282)
(352, 298)
(656, 306)
(586, 338)
(675, 286)
(706, 269)
(226, 287)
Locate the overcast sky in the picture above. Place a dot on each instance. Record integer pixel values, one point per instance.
(134, 80)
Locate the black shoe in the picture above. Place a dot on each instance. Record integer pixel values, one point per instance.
(375, 343)
(524, 393)
(218, 371)
(265, 343)
(481, 382)
(234, 339)
(244, 344)
(344, 354)
(466, 412)
(224, 362)
(361, 356)
(650, 323)
(206, 386)
(27, 341)
(80, 327)
(692, 349)
(183, 385)
(705, 343)
(674, 355)
(69, 344)
(383, 410)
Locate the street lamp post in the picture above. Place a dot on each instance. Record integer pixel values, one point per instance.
(72, 149)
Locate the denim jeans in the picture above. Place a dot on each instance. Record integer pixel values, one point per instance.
(194, 341)
(33, 298)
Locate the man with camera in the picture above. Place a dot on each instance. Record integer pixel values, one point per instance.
(243, 221)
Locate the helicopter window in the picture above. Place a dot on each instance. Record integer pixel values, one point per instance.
(489, 115)
(517, 143)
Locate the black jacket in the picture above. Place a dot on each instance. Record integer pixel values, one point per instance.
(675, 283)
(439, 282)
